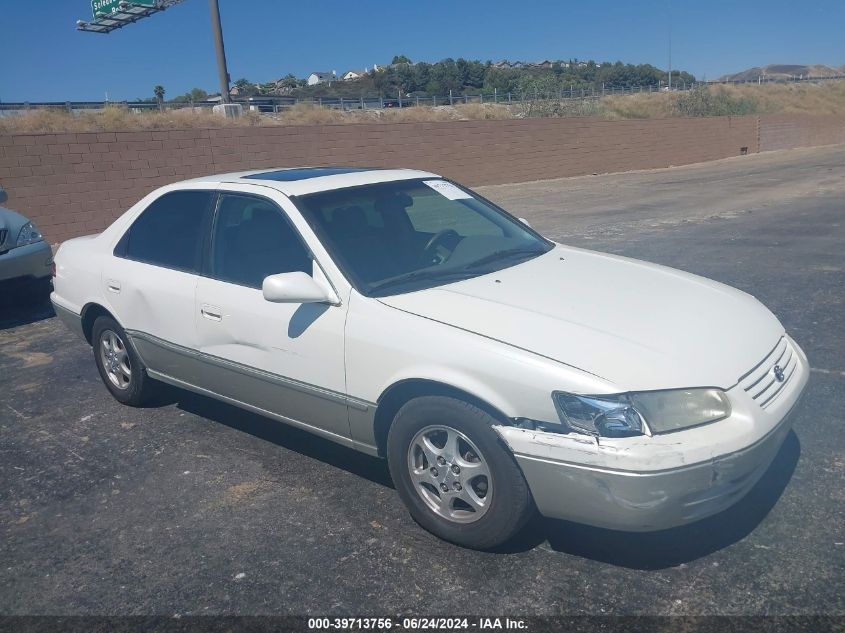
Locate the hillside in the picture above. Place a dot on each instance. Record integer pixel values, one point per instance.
(785, 71)
(461, 76)
(816, 98)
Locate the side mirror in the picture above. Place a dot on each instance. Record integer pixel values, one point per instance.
(525, 222)
(295, 287)
(3, 195)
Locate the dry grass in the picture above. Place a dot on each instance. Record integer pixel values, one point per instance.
(806, 98)
(121, 118)
(647, 105)
(305, 114)
(824, 98)
(117, 118)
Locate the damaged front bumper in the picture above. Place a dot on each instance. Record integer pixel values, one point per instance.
(654, 483)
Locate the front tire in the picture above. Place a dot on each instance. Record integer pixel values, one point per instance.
(454, 475)
(120, 367)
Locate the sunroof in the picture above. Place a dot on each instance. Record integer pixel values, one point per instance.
(287, 175)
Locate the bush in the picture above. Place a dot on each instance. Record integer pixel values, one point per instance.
(705, 101)
(544, 107)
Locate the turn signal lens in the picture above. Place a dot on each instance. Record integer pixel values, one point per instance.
(607, 416)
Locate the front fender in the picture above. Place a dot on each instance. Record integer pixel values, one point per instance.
(385, 346)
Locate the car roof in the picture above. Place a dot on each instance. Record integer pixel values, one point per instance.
(299, 181)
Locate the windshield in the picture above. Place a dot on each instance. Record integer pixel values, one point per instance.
(395, 237)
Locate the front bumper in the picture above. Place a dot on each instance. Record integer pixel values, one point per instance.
(32, 261)
(577, 478)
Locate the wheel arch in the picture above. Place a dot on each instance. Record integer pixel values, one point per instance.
(400, 393)
(90, 312)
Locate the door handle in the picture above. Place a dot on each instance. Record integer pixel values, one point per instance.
(213, 313)
(113, 285)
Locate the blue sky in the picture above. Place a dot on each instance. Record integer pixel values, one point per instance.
(43, 57)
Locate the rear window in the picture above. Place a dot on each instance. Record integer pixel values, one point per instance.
(170, 232)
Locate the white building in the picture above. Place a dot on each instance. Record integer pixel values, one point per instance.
(351, 75)
(318, 77)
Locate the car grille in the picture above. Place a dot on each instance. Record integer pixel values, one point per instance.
(763, 383)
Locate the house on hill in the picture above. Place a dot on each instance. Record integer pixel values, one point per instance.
(319, 77)
(351, 75)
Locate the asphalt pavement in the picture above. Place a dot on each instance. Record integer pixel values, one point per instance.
(195, 507)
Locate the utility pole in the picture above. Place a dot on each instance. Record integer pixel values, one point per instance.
(128, 12)
(217, 31)
(669, 11)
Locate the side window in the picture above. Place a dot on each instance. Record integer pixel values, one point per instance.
(253, 239)
(170, 232)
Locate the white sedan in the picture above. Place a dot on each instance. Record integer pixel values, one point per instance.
(403, 315)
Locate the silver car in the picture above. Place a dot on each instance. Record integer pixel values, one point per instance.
(24, 254)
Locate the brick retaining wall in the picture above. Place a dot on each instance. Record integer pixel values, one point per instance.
(786, 131)
(77, 183)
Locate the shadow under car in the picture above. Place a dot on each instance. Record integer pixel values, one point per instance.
(636, 550)
(24, 301)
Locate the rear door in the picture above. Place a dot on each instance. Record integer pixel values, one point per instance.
(287, 359)
(151, 280)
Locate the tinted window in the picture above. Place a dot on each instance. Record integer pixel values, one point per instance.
(432, 213)
(170, 232)
(253, 239)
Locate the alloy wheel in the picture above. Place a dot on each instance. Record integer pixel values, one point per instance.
(115, 359)
(450, 474)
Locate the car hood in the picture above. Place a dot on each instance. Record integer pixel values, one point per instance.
(638, 325)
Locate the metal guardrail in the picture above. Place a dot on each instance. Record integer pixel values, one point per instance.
(278, 103)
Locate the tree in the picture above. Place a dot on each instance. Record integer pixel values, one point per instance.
(196, 94)
(445, 76)
(288, 81)
(469, 76)
(405, 77)
(502, 80)
(246, 87)
(476, 71)
(159, 93)
(422, 75)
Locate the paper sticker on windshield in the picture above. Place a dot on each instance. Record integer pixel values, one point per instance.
(447, 189)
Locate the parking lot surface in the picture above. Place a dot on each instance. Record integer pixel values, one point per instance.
(195, 507)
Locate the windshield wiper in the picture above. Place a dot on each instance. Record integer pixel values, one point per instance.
(421, 274)
(504, 254)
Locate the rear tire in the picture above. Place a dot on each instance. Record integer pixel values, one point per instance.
(120, 367)
(454, 474)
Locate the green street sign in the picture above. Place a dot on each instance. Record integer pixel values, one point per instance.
(113, 6)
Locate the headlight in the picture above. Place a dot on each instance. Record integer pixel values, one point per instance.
(29, 234)
(641, 413)
(666, 411)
